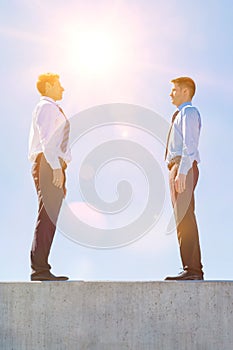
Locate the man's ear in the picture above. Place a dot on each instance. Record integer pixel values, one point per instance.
(186, 91)
(47, 87)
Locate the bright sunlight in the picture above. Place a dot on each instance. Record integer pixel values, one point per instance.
(94, 52)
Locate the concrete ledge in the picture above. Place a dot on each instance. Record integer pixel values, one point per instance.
(116, 316)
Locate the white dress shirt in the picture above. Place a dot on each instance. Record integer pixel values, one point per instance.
(47, 131)
(184, 137)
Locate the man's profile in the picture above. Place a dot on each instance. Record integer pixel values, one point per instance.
(49, 153)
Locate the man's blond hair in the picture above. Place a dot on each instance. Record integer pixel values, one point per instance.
(185, 82)
(45, 78)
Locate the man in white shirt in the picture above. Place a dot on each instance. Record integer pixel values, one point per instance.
(49, 152)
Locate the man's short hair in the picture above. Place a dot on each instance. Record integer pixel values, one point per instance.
(185, 82)
(45, 78)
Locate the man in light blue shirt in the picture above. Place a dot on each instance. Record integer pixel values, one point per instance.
(182, 157)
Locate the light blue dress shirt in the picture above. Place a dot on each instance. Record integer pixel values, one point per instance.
(184, 137)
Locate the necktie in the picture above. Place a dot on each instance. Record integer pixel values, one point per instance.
(66, 133)
(169, 132)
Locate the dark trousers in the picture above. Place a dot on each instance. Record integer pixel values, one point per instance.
(50, 200)
(184, 211)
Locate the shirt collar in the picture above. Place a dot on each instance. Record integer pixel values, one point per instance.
(46, 98)
(184, 104)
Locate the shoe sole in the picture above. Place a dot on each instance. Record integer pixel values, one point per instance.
(184, 279)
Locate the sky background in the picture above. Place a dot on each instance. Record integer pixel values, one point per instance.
(110, 52)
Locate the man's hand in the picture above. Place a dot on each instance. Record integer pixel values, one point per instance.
(58, 177)
(180, 182)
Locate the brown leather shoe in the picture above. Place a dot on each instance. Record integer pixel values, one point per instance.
(185, 276)
(47, 277)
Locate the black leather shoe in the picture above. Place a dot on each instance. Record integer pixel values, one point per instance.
(185, 276)
(47, 277)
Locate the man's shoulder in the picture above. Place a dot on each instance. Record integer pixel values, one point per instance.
(43, 102)
(45, 106)
(190, 111)
(45, 110)
(190, 108)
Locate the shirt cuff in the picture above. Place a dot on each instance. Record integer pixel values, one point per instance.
(185, 165)
(53, 161)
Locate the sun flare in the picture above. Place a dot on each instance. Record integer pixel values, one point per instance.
(93, 52)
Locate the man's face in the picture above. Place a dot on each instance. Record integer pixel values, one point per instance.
(178, 95)
(55, 90)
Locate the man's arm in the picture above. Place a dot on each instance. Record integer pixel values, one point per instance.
(50, 140)
(190, 132)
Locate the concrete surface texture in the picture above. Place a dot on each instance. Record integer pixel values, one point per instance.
(116, 316)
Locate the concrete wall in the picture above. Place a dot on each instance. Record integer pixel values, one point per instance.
(116, 316)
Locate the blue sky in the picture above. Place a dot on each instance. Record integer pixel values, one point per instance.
(150, 42)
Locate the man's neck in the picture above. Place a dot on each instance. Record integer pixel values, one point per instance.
(186, 103)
